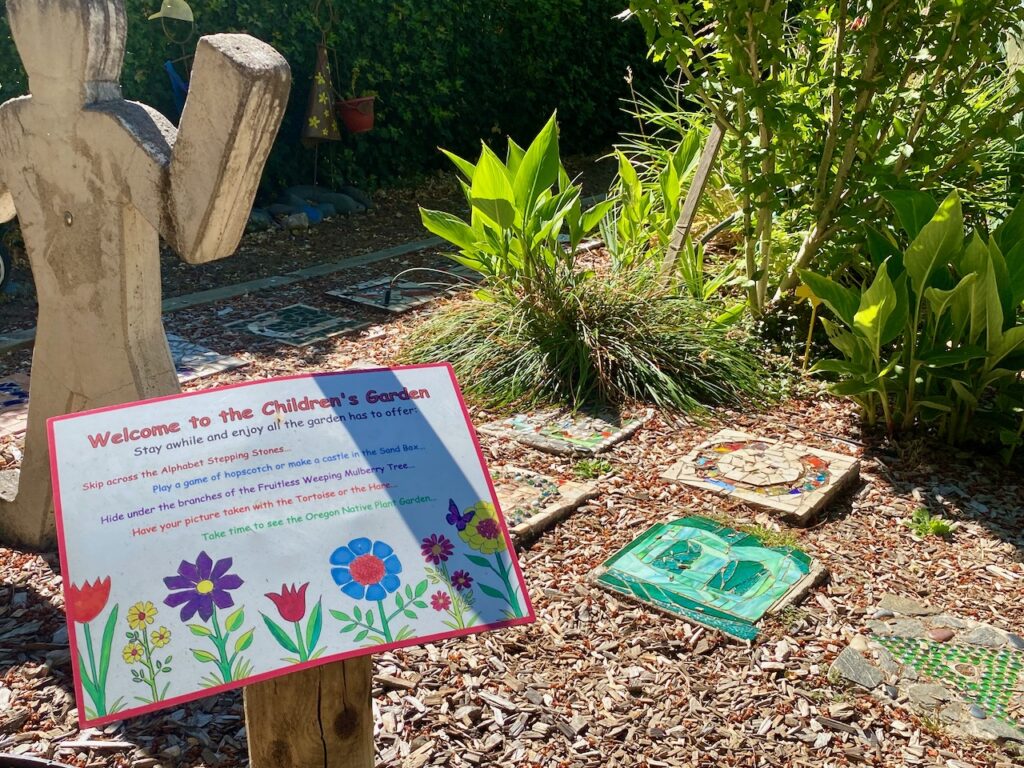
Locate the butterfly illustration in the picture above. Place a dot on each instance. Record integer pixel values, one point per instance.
(460, 521)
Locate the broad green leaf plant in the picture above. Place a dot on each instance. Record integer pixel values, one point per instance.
(934, 336)
(527, 218)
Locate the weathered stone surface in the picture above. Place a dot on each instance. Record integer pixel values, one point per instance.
(95, 181)
(929, 695)
(945, 620)
(1016, 641)
(906, 606)
(941, 634)
(886, 662)
(852, 666)
(9, 485)
(988, 637)
(859, 643)
(898, 628)
(977, 712)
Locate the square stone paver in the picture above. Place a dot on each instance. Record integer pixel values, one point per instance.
(701, 570)
(192, 361)
(784, 477)
(567, 434)
(405, 294)
(533, 502)
(298, 325)
(13, 405)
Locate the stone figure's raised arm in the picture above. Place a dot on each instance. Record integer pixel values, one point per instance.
(237, 96)
(7, 211)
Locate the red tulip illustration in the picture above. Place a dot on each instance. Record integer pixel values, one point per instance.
(86, 602)
(291, 605)
(290, 602)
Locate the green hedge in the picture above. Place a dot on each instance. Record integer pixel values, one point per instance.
(447, 73)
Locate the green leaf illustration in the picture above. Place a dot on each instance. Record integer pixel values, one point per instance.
(280, 636)
(340, 615)
(421, 588)
(244, 641)
(107, 642)
(361, 636)
(204, 656)
(314, 626)
(483, 562)
(199, 630)
(235, 620)
(492, 592)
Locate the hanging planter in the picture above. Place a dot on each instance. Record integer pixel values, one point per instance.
(357, 115)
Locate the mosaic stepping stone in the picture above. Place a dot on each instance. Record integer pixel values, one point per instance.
(405, 294)
(567, 434)
(788, 478)
(533, 502)
(298, 325)
(720, 578)
(192, 361)
(972, 681)
(13, 405)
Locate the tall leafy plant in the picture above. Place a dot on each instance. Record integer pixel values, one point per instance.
(934, 336)
(827, 104)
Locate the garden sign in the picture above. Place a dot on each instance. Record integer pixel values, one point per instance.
(220, 538)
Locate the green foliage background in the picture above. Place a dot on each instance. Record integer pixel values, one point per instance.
(447, 72)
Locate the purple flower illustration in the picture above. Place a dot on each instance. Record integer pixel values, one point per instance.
(200, 586)
(462, 581)
(437, 549)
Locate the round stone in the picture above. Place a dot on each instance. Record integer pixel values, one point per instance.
(977, 712)
(1016, 641)
(941, 634)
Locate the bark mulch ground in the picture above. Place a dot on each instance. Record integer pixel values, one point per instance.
(596, 681)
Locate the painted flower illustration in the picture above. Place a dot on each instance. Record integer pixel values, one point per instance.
(84, 605)
(437, 549)
(86, 602)
(133, 653)
(160, 637)
(203, 588)
(291, 605)
(141, 615)
(290, 601)
(483, 532)
(200, 586)
(366, 570)
(462, 581)
(440, 601)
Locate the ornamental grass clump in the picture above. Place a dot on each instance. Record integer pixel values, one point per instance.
(547, 327)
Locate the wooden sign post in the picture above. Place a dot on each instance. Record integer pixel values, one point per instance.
(690, 205)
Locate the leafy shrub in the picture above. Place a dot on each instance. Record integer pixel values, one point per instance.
(446, 72)
(828, 104)
(934, 336)
(545, 327)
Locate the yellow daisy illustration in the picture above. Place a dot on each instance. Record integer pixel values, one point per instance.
(314, 122)
(141, 615)
(160, 637)
(483, 533)
(132, 653)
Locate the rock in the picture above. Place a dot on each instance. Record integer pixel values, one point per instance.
(852, 666)
(945, 620)
(906, 606)
(929, 695)
(887, 662)
(941, 634)
(977, 712)
(890, 691)
(859, 643)
(60, 637)
(359, 196)
(987, 637)
(297, 221)
(883, 613)
(1016, 641)
(259, 220)
(9, 484)
(898, 628)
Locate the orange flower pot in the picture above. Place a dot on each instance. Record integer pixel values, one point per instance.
(356, 114)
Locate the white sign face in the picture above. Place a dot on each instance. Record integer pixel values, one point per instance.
(219, 538)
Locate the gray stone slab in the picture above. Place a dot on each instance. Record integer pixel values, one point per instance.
(852, 666)
(906, 606)
(9, 484)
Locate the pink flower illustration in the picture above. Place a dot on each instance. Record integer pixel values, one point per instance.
(437, 549)
(441, 601)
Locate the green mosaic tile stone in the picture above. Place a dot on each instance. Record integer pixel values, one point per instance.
(1000, 672)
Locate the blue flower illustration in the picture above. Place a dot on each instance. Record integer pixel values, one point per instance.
(366, 569)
